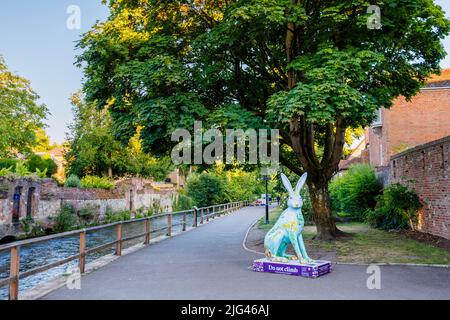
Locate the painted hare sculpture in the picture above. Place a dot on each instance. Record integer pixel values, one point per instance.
(288, 228)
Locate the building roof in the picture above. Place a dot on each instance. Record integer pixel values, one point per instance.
(441, 80)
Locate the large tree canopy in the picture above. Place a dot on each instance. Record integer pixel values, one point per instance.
(312, 69)
(20, 113)
(94, 151)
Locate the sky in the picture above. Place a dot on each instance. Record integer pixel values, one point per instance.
(37, 45)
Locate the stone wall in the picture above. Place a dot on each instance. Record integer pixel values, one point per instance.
(42, 200)
(426, 169)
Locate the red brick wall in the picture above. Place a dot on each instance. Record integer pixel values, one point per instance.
(408, 124)
(426, 168)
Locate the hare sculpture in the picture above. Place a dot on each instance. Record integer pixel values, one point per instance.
(288, 228)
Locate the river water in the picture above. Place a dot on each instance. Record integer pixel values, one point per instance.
(40, 254)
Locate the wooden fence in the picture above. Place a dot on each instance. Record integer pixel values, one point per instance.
(200, 215)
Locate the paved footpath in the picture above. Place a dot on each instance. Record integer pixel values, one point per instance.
(210, 263)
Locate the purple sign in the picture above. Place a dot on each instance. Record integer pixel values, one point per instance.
(310, 270)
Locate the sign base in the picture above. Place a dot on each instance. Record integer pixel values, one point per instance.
(310, 270)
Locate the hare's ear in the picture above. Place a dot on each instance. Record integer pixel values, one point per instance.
(301, 183)
(286, 183)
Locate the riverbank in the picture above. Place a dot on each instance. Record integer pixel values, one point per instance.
(39, 254)
(365, 245)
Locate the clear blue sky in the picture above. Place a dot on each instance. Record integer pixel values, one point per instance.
(37, 45)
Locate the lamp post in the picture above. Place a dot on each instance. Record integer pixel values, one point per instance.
(266, 178)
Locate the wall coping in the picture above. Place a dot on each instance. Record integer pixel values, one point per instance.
(420, 147)
(436, 88)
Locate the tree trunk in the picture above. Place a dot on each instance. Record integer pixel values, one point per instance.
(110, 173)
(321, 207)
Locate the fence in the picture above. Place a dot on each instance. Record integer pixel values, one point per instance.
(200, 215)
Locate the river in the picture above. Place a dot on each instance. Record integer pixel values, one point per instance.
(40, 254)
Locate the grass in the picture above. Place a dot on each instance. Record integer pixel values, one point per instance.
(368, 245)
(273, 216)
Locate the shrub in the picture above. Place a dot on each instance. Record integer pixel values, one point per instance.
(27, 224)
(206, 189)
(356, 191)
(87, 213)
(306, 208)
(66, 219)
(111, 217)
(155, 208)
(32, 228)
(241, 185)
(41, 174)
(72, 182)
(8, 163)
(396, 209)
(6, 171)
(36, 162)
(182, 202)
(96, 182)
(21, 170)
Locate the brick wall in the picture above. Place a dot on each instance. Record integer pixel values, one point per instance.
(426, 168)
(410, 123)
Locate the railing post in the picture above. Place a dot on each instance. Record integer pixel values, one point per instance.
(184, 221)
(195, 217)
(147, 231)
(14, 267)
(169, 225)
(207, 213)
(82, 260)
(119, 240)
(201, 216)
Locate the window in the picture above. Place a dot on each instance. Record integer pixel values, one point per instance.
(30, 202)
(378, 118)
(16, 205)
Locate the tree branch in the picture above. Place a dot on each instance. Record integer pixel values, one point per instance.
(338, 146)
(288, 164)
(328, 150)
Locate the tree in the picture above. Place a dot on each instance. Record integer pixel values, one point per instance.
(206, 189)
(312, 69)
(20, 113)
(93, 150)
(41, 163)
(42, 141)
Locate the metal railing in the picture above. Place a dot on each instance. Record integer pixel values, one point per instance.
(200, 215)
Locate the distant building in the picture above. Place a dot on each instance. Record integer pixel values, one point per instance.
(57, 154)
(406, 124)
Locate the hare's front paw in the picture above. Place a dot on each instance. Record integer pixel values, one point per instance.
(308, 260)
